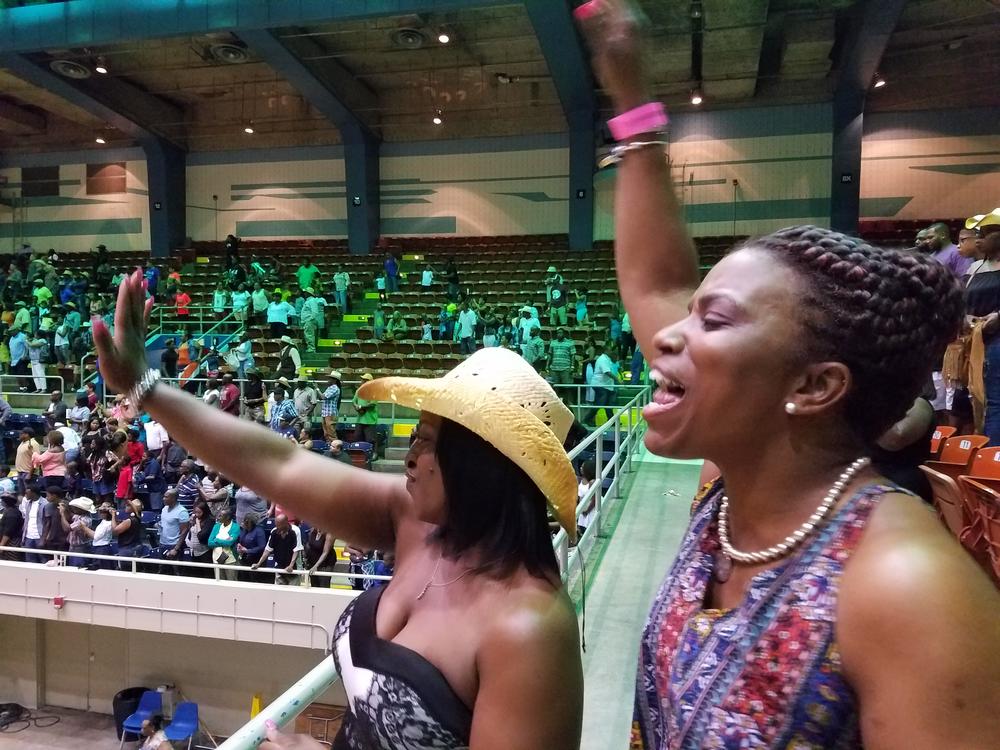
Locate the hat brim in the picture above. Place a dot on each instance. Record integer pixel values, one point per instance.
(502, 423)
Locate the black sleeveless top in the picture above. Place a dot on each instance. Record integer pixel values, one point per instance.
(397, 700)
(133, 535)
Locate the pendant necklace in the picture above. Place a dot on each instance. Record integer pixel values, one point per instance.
(430, 581)
(726, 558)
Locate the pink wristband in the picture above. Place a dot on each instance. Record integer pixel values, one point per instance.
(647, 118)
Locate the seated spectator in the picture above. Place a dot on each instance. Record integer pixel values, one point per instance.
(337, 452)
(152, 735)
(396, 329)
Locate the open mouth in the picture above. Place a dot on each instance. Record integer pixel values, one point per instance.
(669, 391)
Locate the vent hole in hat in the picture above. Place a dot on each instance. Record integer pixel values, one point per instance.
(493, 388)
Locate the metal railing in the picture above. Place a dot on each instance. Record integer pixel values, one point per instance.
(284, 709)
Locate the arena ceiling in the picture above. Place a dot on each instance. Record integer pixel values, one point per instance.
(492, 78)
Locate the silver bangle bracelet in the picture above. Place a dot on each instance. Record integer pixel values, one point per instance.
(617, 153)
(142, 387)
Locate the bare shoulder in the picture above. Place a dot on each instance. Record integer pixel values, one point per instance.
(910, 576)
(529, 610)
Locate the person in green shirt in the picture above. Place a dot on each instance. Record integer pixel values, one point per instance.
(306, 273)
(562, 358)
(367, 415)
(42, 293)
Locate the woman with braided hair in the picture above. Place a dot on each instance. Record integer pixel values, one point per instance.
(812, 603)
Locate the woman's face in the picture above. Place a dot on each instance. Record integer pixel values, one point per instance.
(423, 474)
(727, 369)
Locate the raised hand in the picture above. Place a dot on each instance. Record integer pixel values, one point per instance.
(614, 32)
(122, 357)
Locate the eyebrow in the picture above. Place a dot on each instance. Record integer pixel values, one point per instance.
(703, 300)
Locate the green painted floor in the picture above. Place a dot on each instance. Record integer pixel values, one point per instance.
(640, 550)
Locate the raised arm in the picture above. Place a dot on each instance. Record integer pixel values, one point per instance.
(357, 505)
(655, 259)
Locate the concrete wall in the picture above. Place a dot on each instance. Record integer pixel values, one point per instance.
(925, 165)
(74, 220)
(82, 666)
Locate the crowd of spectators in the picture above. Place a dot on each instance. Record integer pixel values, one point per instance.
(114, 483)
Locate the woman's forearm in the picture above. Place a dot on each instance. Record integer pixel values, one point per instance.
(241, 450)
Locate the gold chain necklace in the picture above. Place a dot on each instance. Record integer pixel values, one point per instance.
(430, 581)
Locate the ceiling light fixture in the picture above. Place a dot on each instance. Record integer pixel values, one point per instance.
(101, 66)
(438, 119)
(879, 81)
(248, 130)
(696, 97)
(444, 37)
(100, 140)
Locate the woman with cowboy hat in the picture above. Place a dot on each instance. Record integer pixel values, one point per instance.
(474, 643)
(812, 604)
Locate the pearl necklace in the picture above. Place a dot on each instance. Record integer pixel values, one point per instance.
(729, 554)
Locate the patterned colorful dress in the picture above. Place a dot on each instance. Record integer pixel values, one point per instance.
(766, 674)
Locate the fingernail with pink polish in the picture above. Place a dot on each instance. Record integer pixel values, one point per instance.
(586, 10)
(270, 724)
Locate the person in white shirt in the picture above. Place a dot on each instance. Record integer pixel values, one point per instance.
(588, 473)
(605, 377)
(312, 317)
(467, 329)
(32, 505)
(427, 278)
(156, 436)
(241, 301)
(220, 299)
(103, 534)
(526, 323)
(71, 441)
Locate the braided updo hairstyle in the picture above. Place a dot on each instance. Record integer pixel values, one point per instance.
(887, 315)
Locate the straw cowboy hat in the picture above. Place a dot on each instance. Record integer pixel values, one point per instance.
(85, 504)
(985, 220)
(287, 340)
(497, 395)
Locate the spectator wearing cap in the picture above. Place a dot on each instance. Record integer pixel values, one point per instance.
(19, 351)
(283, 413)
(367, 412)
(289, 359)
(229, 396)
(278, 312)
(254, 397)
(306, 398)
(330, 409)
(11, 526)
(76, 522)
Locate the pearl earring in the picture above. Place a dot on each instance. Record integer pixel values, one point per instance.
(791, 408)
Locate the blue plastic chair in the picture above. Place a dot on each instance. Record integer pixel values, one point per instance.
(150, 704)
(184, 724)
